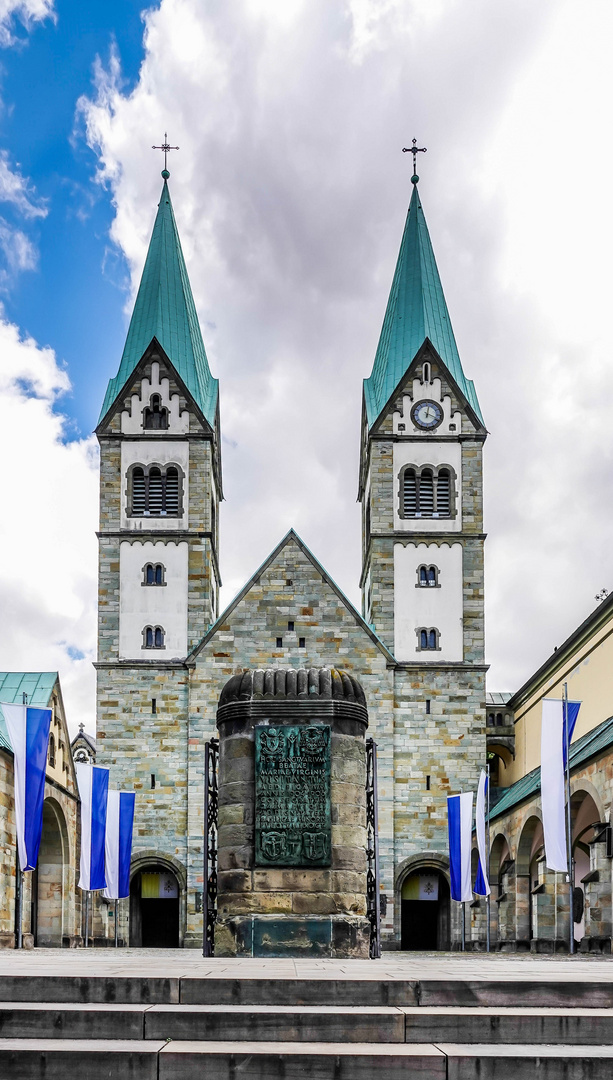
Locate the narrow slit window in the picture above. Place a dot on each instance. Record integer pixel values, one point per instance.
(432, 575)
(154, 705)
(159, 637)
(427, 783)
(432, 639)
(428, 706)
(423, 575)
(279, 642)
(302, 643)
(290, 626)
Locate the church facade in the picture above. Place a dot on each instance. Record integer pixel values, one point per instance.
(417, 646)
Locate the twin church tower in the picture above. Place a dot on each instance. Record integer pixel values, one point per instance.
(165, 651)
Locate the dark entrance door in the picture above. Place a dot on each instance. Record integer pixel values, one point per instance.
(154, 909)
(425, 912)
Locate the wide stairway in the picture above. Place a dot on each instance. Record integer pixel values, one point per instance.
(92, 1017)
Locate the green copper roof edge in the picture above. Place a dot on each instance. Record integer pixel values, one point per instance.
(164, 309)
(416, 310)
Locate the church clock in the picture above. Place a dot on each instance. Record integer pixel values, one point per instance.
(426, 414)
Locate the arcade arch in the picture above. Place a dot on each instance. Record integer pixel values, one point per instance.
(423, 903)
(49, 885)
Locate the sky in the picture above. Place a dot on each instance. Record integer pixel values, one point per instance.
(290, 192)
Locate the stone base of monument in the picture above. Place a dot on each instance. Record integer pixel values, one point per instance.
(294, 936)
(292, 815)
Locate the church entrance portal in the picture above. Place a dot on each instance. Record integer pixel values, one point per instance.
(48, 879)
(154, 909)
(425, 911)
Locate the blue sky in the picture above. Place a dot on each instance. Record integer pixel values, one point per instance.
(74, 299)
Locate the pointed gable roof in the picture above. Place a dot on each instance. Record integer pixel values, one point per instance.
(165, 310)
(291, 537)
(416, 311)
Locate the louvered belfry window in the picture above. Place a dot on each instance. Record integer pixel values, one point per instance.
(443, 493)
(139, 499)
(156, 492)
(426, 492)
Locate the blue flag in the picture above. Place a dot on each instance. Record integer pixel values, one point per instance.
(28, 730)
(118, 843)
(93, 781)
(460, 821)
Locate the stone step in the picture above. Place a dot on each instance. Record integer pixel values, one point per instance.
(305, 1024)
(593, 993)
(76, 1059)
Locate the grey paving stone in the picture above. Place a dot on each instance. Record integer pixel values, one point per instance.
(315, 1061)
(276, 1023)
(528, 1062)
(76, 1059)
(581, 1027)
(38, 1020)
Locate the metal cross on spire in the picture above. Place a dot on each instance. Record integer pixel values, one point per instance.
(165, 148)
(414, 150)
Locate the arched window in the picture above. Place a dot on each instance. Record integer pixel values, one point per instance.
(155, 491)
(426, 372)
(443, 493)
(155, 416)
(153, 574)
(427, 576)
(51, 754)
(426, 492)
(139, 503)
(153, 637)
(409, 493)
(171, 505)
(428, 638)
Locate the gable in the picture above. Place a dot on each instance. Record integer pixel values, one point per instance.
(154, 373)
(460, 417)
(290, 587)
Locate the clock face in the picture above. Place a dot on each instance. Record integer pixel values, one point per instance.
(426, 414)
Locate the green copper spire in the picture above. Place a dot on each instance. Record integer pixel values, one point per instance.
(416, 310)
(165, 309)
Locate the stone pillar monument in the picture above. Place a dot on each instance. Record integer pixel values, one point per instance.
(292, 815)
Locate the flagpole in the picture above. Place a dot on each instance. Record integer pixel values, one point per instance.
(86, 917)
(19, 876)
(569, 837)
(19, 902)
(487, 836)
(463, 927)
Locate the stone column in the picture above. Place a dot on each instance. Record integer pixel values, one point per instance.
(292, 834)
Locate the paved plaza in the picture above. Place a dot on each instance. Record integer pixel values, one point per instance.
(179, 963)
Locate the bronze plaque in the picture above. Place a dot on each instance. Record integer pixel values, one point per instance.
(292, 795)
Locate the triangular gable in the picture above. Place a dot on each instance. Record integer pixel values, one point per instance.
(153, 350)
(292, 537)
(427, 352)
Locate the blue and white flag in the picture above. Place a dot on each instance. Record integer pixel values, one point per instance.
(482, 885)
(460, 821)
(553, 763)
(93, 783)
(118, 843)
(28, 730)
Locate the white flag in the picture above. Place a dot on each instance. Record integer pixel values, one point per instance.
(482, 885)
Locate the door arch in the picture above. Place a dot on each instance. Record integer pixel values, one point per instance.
(155, 907)
(48, 883)
(425, 910)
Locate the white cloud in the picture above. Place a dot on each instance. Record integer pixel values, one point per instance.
(26, 12)
(47, 539)
(16, 189)
(290, 191)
